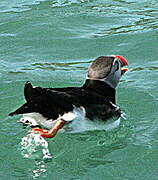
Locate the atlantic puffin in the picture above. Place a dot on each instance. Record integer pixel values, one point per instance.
(54, 108)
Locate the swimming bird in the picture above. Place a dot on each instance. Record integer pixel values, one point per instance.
(54, 108)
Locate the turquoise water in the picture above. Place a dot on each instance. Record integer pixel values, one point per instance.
(51, 43)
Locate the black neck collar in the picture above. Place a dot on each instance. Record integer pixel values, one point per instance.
(101, 88)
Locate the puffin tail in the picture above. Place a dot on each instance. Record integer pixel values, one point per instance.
(29, 93)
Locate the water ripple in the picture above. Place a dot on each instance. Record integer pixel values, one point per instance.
(61, 66)
(150, 68)
(17, 5)
(22, 6)
(61, 3)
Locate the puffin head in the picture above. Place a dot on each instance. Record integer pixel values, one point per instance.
(108, 69)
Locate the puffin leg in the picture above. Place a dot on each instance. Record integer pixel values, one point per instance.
(52, 132)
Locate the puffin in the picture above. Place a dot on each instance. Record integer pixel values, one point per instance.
(48, 110)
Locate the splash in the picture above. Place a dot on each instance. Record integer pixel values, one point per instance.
(35, 146)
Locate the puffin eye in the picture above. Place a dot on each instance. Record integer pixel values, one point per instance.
(117, 66)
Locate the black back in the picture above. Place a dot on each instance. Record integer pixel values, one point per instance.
(95, 96)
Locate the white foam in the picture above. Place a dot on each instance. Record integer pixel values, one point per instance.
(88, 125)
(31, 143)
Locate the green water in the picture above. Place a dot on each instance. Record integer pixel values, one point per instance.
(51, 43)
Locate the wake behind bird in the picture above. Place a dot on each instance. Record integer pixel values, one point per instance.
(35, 146)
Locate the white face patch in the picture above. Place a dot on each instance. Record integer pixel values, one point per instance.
(114, 76)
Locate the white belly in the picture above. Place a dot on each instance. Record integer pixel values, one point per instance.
(76, 121)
